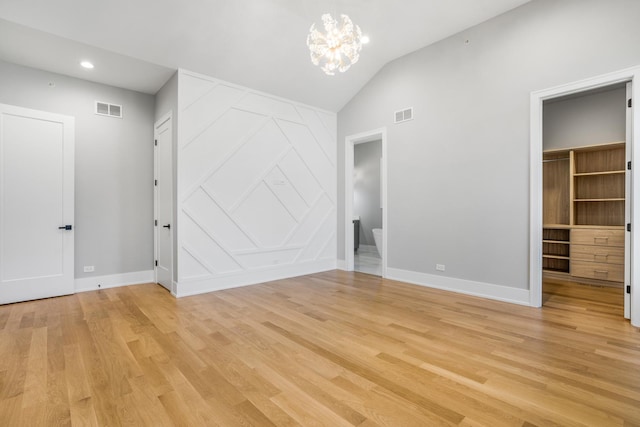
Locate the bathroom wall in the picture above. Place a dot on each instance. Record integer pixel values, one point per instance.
(366, 188)
(595, 118)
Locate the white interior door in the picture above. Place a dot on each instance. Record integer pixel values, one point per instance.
(36, 204)
(164, 202)
(629, 202)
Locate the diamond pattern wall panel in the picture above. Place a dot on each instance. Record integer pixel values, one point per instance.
(256, 181)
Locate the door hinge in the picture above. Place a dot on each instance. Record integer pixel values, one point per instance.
(629, 165)
(156, 263)
(630, 103)
(628, 289)
(155, 142)
(155, 182)
(629, 227)
(155, 222)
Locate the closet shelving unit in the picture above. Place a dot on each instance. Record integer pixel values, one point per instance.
(584, 213)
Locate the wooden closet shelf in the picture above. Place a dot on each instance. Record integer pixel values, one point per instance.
(557, 226)
(597, 227)
(614, 172)
(562, 242)
(608, 199)
(555, 257)
(580, 226)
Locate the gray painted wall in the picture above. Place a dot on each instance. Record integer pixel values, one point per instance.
(458, 175)
(113, 165)
(585, 120)
(366, 188)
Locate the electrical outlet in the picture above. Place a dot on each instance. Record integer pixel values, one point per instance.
(89, 269)
(440, 267)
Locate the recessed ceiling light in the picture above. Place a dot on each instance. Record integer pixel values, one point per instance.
(364, 39)
(86, 64)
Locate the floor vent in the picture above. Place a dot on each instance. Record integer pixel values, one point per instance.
(403, 115)
(111, 110)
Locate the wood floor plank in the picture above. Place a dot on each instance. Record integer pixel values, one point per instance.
(327, 349)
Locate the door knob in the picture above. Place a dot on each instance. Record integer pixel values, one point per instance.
(167, 226)
(65, 227)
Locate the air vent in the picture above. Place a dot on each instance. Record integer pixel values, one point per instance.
(106, 109)
(403, 115)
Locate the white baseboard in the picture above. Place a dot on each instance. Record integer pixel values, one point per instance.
(341, 265)
(468, 287)
(94, 283)
(200, 286)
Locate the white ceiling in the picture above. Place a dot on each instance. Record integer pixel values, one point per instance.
(138, 44)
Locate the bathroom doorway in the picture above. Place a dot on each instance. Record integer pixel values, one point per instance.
(367, 207)
(365, 203)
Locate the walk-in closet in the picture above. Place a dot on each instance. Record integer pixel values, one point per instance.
(585, 206)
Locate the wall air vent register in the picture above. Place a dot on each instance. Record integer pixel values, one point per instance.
(106, 109)
(403, 115)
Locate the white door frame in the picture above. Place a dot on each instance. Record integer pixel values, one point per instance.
(350, 142)
(168, 116)
(535, 181)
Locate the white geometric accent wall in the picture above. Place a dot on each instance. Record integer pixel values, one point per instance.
(256, 186)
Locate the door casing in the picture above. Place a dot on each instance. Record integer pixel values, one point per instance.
(350, 142)
(535, 191)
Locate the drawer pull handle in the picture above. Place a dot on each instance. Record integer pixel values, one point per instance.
(601, 255)
(601, 239)
(604, 272)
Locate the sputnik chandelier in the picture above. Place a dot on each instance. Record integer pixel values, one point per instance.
(338, 47)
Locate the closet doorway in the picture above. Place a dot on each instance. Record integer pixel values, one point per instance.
(365, 202)
(585, 193)
(581, 196)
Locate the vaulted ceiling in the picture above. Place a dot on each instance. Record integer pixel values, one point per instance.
(138, 44)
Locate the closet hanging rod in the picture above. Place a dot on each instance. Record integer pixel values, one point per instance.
(555, 160)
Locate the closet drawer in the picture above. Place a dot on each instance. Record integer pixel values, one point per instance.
(598, 270)
(601, 254)
(597, 237)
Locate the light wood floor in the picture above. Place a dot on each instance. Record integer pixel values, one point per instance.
(332, 349)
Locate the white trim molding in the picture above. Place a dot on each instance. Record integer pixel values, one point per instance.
(190, 287)
(95, 283)
(535, 191)
(349, 143)
(462, 286)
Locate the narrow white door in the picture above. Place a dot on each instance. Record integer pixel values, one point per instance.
(629, 202)
(36, 204)
(163, 202)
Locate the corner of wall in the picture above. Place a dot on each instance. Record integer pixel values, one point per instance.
(221, 282)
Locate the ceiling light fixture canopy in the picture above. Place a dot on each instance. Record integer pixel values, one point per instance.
(338, 48)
